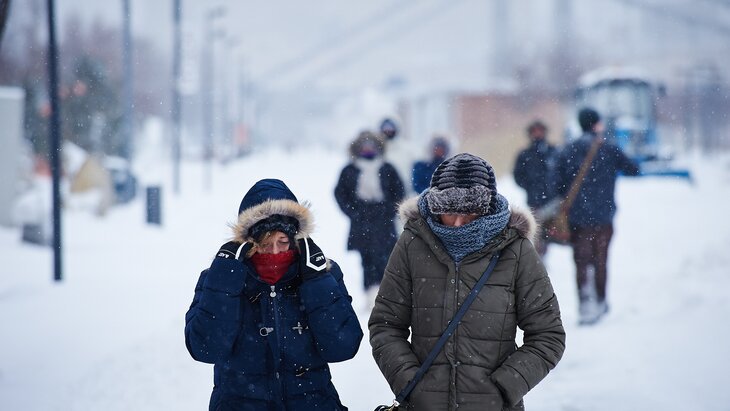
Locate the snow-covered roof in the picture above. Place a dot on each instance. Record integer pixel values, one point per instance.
(608, 73)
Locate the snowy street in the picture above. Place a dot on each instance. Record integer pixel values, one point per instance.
(110, 336)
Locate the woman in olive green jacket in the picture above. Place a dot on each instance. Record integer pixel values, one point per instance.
(451, 232)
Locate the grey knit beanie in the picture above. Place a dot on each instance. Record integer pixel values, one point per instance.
(463, 184)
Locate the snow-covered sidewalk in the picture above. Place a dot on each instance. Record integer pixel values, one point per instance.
(110, 336)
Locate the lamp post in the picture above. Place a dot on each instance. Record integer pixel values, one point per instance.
(209, 91)
(127, 90)
(176, 103)
(55, 137)
(230, 101)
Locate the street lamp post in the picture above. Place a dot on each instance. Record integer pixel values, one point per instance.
(176, 103)
(128, 90)
(55, 137)
(209, 91)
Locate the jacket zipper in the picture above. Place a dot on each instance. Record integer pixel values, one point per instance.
(456, 330)
(277, 327)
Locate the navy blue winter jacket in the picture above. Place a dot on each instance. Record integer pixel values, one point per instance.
(271, 344)
(595, 204)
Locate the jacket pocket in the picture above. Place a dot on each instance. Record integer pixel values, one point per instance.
(240, 404)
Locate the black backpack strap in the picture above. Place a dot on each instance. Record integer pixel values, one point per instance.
(448, 332)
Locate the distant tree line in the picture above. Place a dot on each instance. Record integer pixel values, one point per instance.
(90, 77)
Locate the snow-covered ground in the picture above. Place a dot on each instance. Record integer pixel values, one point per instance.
(110, 336)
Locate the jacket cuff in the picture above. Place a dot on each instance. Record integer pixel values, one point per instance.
(511, 384)
(225, 275)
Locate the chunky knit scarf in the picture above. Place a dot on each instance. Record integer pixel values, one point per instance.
(462, 241)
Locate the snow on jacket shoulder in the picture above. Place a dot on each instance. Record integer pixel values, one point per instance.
(480, 367)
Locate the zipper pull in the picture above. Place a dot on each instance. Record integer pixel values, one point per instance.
(273, 291)
(253, 299)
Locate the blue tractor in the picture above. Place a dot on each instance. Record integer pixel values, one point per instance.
(626, 99)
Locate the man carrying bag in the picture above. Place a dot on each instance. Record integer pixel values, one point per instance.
(590, 215)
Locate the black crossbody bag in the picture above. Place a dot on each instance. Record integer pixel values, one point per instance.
(442, 341)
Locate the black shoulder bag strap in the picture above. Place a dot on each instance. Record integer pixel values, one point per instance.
(447, 333)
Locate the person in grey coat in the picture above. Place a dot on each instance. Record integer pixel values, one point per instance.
(452, 230)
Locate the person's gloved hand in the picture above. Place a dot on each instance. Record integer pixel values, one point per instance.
(229, 249)
(312, 262)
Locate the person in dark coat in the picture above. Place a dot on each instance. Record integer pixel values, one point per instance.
(452, 231)
(271, 311)
(422, 170)
(368, 192)
(591, 214)
(534, 171)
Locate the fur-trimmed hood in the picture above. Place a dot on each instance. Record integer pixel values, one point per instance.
(290, 208)
(520, 219)
(266, 198)
(363, 138)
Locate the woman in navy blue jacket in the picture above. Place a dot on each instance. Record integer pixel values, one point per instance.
(271, 311)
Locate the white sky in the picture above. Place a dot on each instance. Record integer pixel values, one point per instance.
(438, 38)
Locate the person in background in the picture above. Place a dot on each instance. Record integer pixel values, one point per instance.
(368, 191)
(534, 171)
(271, 311)
(591, 215)
(452, 231)
(422, 170)
(399, 152)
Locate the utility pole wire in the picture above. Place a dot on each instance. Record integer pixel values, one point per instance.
(373, 20)
(348, 57)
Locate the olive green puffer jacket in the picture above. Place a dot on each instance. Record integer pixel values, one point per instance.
(480, 367)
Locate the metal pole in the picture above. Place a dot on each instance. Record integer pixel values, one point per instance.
(55, 143)
(208, 102)
(176, 115)
(4, 11)
(209, 93)
(501, 39)
(128, 97)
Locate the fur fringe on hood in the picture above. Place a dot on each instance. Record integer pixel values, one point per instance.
(520, 219)
(364, 137)
(250, 216)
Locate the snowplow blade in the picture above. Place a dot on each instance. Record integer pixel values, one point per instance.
(663, 170)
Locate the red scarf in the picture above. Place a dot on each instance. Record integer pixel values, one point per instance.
(271, 267)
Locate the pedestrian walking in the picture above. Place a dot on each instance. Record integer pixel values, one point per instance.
(464, 246)
(534, 171)
(368, 191)
(591, 214)
(271, 311)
